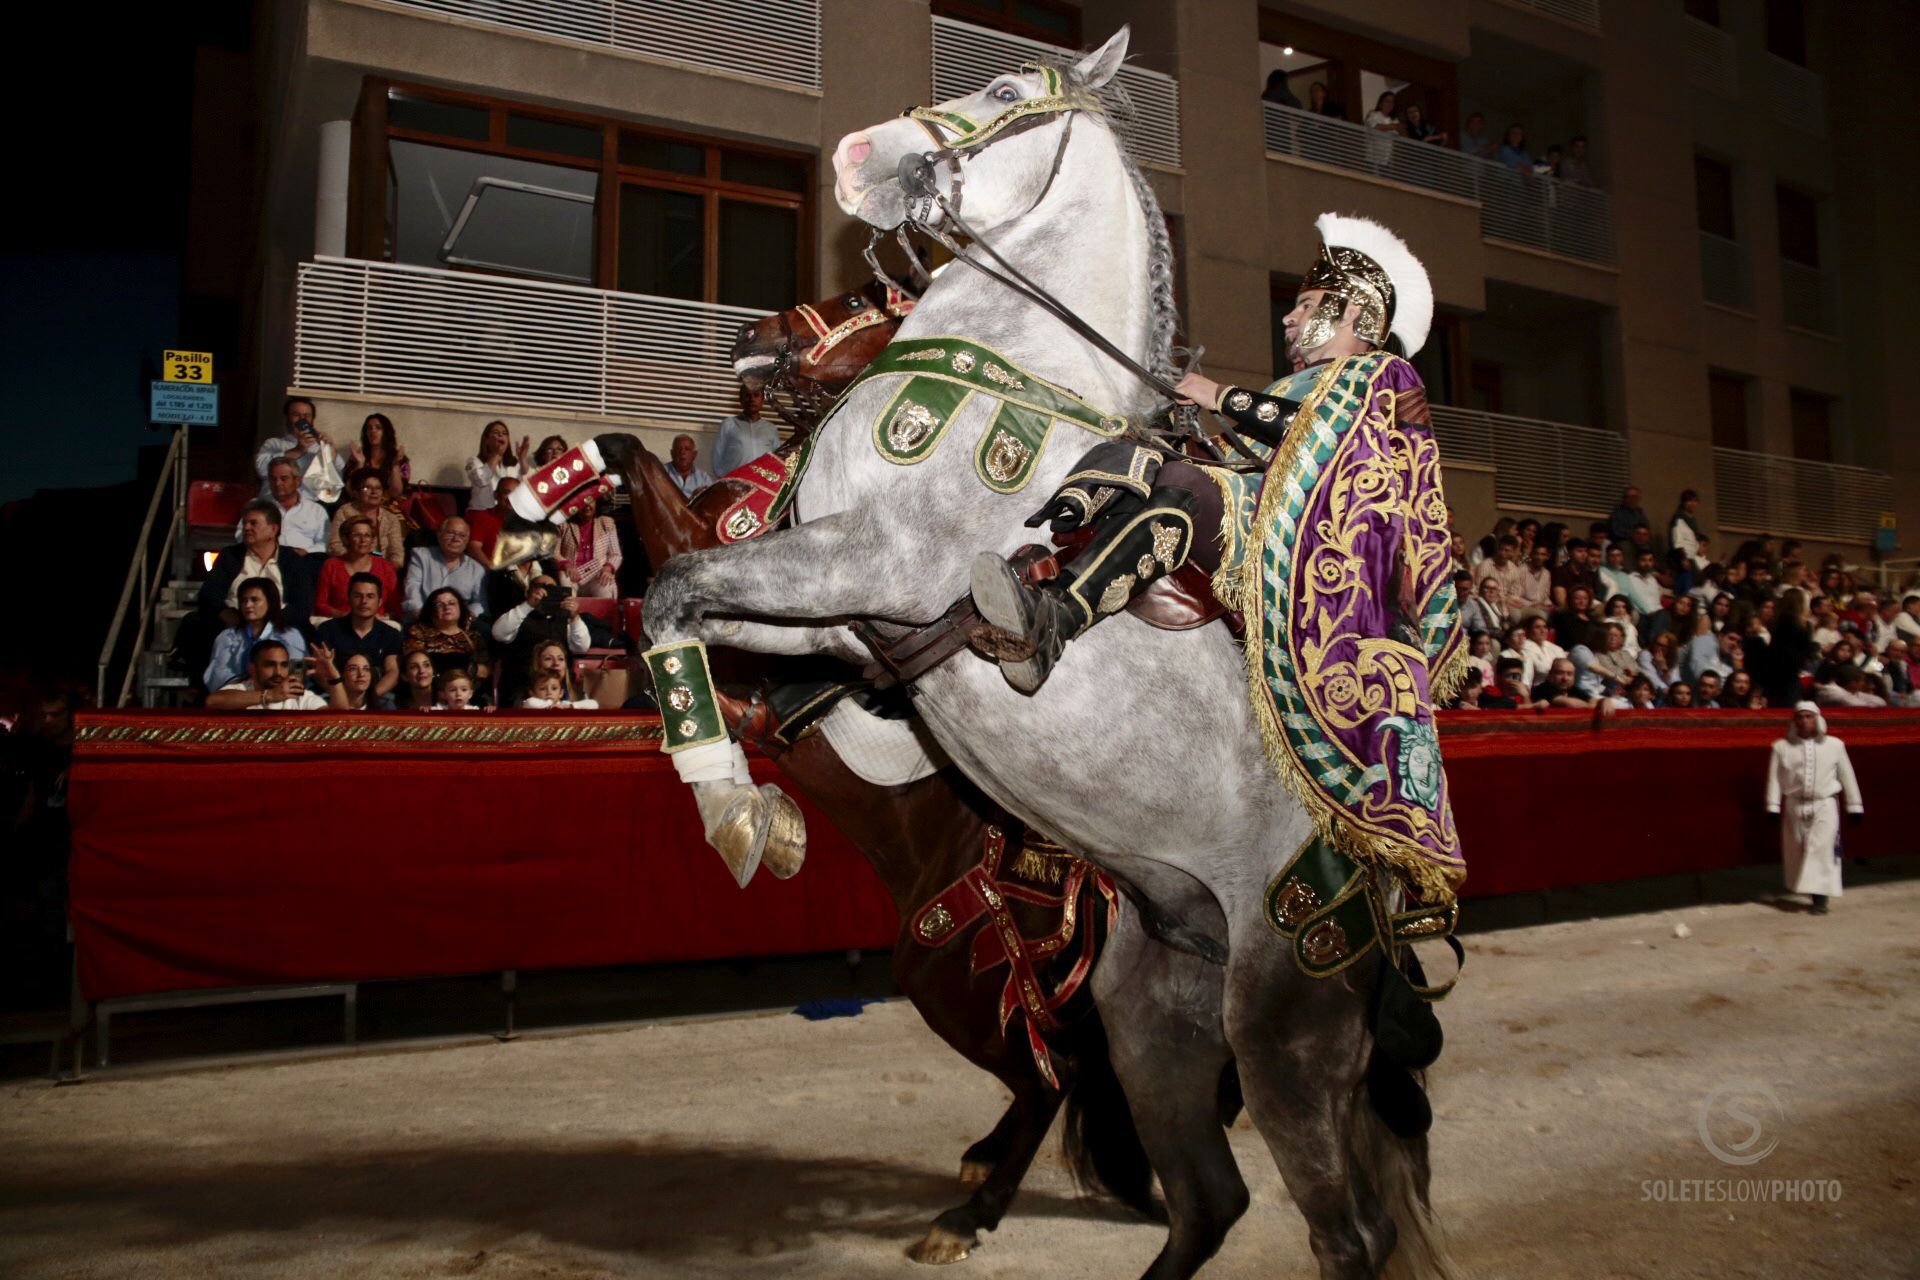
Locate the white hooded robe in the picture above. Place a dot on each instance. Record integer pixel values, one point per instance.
(1804, 777)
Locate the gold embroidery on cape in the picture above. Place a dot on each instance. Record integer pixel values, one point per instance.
(1166, 540)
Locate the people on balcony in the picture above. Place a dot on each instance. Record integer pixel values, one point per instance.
(1475, 140)
(1574, 168)
(1385, 116)
(1415, 125)
(1513, 151)
(1321, 103)
(496, 460)
(1277, 90)
(308, 448)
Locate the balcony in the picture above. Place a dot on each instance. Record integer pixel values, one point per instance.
(383, 330)
(773, 40)
(1798, 96)
(966, 58)
(1712, 63)
(1516, 208)
(1542, 467)
(1766, 493)
(1806, 297)
(1723, 272)
(1581, 13)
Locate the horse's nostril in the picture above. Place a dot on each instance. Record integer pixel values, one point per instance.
(858, 152)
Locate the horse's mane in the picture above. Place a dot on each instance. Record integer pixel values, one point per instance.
(1120, 114)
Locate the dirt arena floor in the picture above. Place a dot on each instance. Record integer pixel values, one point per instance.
(1580, 1058)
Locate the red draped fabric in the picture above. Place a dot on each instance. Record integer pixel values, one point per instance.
(243, 850)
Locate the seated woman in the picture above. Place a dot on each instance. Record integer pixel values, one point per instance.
(415, 690)
(453, 691)
(261, 618)
(550, 693)
(330, 595)
(589, 555)
(1613, 664)
(349, 685)
(550, 659)
(446, 634)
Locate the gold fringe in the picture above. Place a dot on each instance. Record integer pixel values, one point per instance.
(1435, 883)
(1042, 868)
(1445, 684)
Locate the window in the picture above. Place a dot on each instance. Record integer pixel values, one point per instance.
(1787, 30)
(1727, 410)
(1048, 20)
(1812, 416)
(1713, 191)
(1799, 215)
(1707, 11)
(478, 184)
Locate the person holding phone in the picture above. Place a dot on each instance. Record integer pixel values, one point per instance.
(308, 448)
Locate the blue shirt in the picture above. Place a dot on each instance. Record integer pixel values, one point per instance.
(739, 441)
(427, 572)
(233, 650)
(1514, 157)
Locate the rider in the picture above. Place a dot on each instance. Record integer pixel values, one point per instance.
(1150, 516)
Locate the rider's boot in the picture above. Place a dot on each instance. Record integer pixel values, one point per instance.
(1127, 554)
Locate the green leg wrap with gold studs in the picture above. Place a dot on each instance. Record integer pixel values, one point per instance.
(683, 686)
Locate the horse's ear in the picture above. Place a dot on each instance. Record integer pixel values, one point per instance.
(1098, 67)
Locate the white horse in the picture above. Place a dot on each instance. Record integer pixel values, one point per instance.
(1141, 750)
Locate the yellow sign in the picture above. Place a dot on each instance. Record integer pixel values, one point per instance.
(187, 366)
(1889, 520)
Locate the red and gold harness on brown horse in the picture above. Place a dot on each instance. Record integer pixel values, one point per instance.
(1043, 951)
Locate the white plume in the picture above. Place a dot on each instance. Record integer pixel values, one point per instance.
(1412, 290)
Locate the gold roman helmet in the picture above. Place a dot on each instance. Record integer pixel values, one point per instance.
(1362, 262)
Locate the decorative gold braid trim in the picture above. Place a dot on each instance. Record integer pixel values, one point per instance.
(1444, 684)
(1241, 591)
(415, 730)
(1041, 868)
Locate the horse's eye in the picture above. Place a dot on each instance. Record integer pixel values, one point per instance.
(1005, 93)
(855, 302)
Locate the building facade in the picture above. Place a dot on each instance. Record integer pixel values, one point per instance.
(558, 212)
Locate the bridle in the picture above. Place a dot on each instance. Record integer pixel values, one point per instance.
(956, 136)
(792, 388)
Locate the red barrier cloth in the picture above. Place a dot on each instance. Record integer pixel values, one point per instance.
(1557, 798)
(242, 850)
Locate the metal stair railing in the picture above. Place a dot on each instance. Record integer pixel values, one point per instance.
(146, 573)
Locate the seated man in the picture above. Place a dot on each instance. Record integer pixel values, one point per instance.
(303, 522)
(1558, 689)
(272, 684)
(308, 448)
(258, 554)
(447, 565)
(545, 616)
(370, 503)
(362, 631)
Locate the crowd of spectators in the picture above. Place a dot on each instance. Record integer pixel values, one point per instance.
(1633, 617)
(1401, 115)
(343, 593)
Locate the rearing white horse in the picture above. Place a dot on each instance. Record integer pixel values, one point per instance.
(1141, 750)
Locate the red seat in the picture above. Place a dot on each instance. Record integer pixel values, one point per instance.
(605, 608)
(216, 504)
(630, 617)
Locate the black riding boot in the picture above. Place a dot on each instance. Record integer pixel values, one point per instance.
(1128, 552)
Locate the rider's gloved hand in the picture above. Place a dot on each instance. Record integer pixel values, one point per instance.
(1072, 508)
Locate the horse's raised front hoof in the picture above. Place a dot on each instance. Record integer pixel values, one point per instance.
(973, 1173)
(739, 835)
(942, 1246)
(786, 846)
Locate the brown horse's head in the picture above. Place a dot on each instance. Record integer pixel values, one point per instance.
(803, 358)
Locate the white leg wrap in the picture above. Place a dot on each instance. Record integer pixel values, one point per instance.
(715, 762)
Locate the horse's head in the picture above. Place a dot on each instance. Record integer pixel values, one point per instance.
(999, 148)
(805, 356)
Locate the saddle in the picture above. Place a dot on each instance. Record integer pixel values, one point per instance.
(1029, 925)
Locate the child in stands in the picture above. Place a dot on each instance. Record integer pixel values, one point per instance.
(455, 691)
(550, 693)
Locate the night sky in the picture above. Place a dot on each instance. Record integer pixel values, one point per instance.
(90, 286)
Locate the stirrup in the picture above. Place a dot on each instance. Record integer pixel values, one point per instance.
(1041, 621)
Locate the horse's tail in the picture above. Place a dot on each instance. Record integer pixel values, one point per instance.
(1400, 1173)
(1102, 1145)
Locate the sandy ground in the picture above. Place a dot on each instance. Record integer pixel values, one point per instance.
(1579, 1059)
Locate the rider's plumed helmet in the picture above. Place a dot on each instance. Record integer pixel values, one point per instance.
(1361, 261)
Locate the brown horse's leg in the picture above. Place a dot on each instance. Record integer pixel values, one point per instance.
(957, 1231)
(982, 1156)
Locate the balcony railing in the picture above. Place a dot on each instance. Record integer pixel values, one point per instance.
(1723, 272)
(1540, 466)
(382, 329)
(1586, 13)
(1540, 213)
(775, 40)
(966, 58)
(1712, 63)
(1798, 96)
(1805, 296)
(1766, 493)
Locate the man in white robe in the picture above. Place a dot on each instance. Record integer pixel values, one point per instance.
(1808, 772)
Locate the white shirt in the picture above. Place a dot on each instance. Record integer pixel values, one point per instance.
(253, 568)
(1539, 656)
(305, 700)
(482, 480)
(303, 526)
(507, 626)
(319, 466)
(551, 704)
(1683, 539)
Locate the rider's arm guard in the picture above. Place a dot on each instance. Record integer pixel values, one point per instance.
(1262, 416)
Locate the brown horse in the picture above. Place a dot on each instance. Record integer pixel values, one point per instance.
(919, 838)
